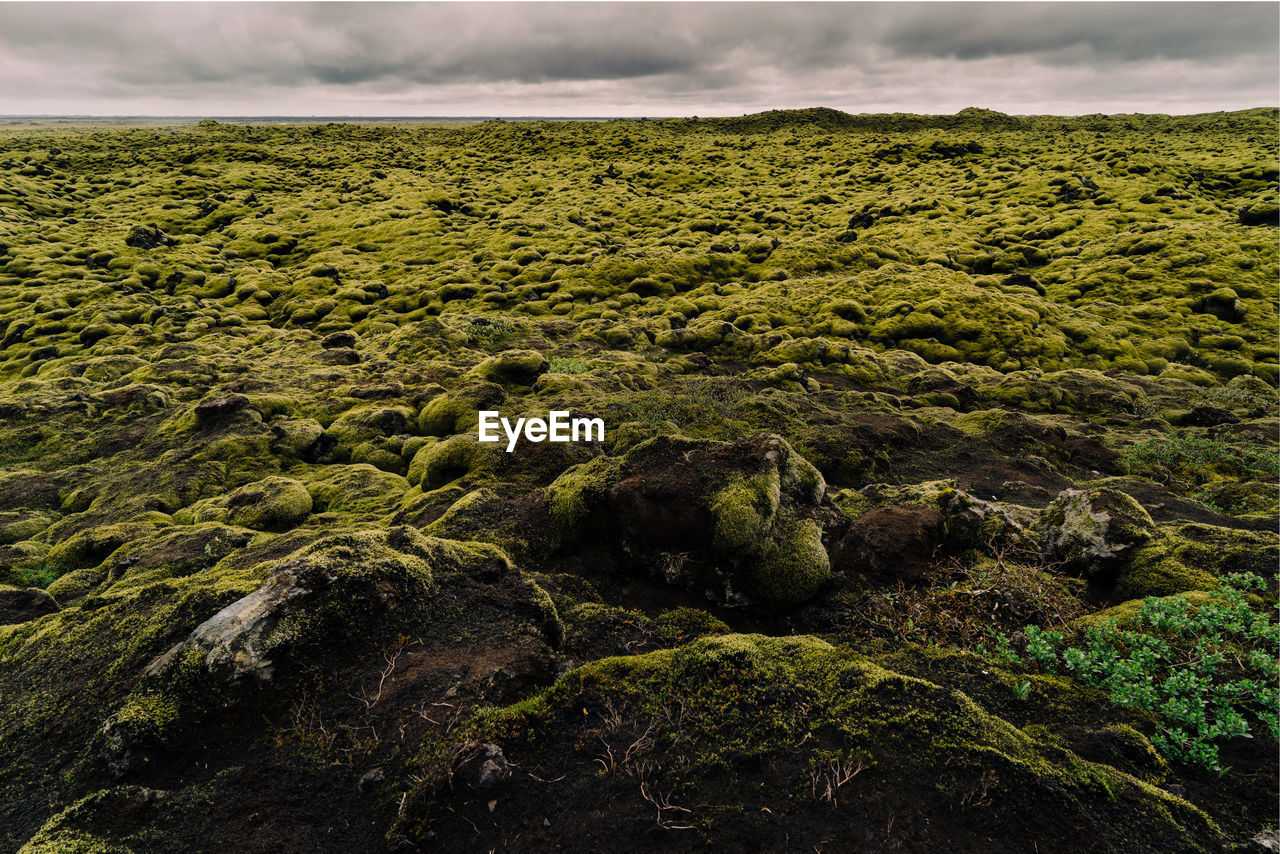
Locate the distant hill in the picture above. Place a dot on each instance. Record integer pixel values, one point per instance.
(1267, 120)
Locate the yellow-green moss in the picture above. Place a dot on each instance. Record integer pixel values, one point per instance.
(743, 512)
(271, 504)
(462, 455)
(517, 367)
(791, 568)
(573, 494)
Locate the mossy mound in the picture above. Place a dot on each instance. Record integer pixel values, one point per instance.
(518, 367)
(760, 502)
(826, 741)
(1193, 557)
(358, 488)
(271, 504)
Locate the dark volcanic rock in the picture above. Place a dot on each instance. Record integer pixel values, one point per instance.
(142, 237)
(892, 542)
(1208, 416)
(339, 356)
(339, 341)
(19, 606)
(214, 409)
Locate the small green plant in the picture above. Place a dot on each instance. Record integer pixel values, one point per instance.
(568, 365)
(1198, 460)
(1022, 690)
(488, 330)
(41, 576)
(1204, 670)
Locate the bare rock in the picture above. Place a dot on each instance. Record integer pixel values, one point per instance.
(20, 606)
(1094, 531)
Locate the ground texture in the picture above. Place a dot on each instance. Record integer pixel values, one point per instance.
(936, 508)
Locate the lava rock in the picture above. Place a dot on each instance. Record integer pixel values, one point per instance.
(891, 542)
(142, 237)
(212, 410)
(1094, 531)
(339, 341)
(20, 606)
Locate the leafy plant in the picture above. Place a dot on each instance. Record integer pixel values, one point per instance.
(1204, 670)
(41, 576)
(488, 330)
(568, 365)
(1197, 459)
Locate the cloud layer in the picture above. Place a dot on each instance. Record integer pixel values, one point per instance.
(597, 59)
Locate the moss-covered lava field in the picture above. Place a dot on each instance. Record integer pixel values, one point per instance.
(936, 508)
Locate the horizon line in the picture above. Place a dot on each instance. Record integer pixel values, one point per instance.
(526, 117)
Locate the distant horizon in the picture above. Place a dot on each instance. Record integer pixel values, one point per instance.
(635, 117)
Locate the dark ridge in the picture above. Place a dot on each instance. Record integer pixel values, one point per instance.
(1266, 119)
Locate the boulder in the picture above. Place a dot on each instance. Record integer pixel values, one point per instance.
(741, 520)
(890, 542)
(20, 606)
(216, 409)
(513, 367)
(142, 237)
(343, 340)
(1094, 531)
(323, 591)
(915, 525)
(271, 504)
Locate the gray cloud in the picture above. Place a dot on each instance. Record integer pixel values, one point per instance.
(1083, 33)
(632, 58)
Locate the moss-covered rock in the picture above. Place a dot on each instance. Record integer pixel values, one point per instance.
(759, 501)
(358, 488)
(459, 456)
(271, 504)
(1094, 531)
(1190, 557)
(459, 410)
(516, 367)
(813, 728)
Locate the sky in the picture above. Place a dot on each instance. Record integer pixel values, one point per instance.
(634, 59)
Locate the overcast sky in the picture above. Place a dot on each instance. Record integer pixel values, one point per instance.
(629, 59)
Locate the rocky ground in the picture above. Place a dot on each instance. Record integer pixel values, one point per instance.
(936, 508)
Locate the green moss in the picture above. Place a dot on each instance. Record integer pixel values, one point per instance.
(418, 462)
(1154, 571)
(792, 566)
(517, 367)
(365, 423)
(92, 545)
(359, 488)
(1193, 557)
(743, 513)
(296, 437)
(18, 526)
(458, 411)
(574, 493)
(64, 832)
(1125, 615)
(270, 504)
(456, 457)
(732, 704)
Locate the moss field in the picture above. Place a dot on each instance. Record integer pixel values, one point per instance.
(262, 589)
